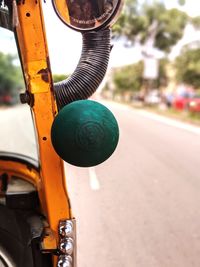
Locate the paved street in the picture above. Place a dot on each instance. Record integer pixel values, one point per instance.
(141, 208)
(16, 131)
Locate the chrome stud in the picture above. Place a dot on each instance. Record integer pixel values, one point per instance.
(66, 228)
(67, 245)
(64, 261)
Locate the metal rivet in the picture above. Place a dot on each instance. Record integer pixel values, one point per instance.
(67, 245)
(64, 261)
(66, 229)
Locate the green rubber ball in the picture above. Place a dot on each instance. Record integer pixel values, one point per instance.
(85, 133)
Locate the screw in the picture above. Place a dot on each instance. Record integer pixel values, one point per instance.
(26, 98)
(67, 245)
(66, 228)
(64, 261)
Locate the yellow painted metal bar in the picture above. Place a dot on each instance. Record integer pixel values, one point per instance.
(20, 170)
(32, 43)
(63, 10)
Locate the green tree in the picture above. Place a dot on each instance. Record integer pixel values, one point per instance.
(188, 67)
(152, 25)
(10, 75)
(59, 77)
(162, 75)
(142, 22)
(128, 78)
(181, 2)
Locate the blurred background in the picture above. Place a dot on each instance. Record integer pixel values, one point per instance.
(141, 207)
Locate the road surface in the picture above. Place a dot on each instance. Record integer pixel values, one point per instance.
(141, 208)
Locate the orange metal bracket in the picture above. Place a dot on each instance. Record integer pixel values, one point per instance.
(30, 34)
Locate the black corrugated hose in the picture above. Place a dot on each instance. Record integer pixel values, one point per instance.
(90, 70)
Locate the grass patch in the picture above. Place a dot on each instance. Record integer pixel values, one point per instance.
(185, 116)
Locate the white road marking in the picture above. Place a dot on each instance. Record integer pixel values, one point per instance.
(94, 182)
(170, 122)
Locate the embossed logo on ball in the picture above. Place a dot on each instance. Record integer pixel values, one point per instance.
(90, 136)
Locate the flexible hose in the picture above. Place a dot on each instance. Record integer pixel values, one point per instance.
(90, 70)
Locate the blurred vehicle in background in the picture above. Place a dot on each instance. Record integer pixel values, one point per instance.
(181, 103)
(8, 100)
(182, 98)
(153, 98)
(194, 104)
(138, 97)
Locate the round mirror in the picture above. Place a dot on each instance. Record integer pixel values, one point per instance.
(85, 15)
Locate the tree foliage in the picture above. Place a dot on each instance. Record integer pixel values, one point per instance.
(162, 73)
(181, 2)
(10, 75)
(128, 78)
(139, 22)
(59, 77)
(188, 67)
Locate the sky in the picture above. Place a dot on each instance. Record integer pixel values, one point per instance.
(65, 44)
(192, 7)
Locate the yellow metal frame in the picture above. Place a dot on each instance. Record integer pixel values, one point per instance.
(18, 169)
(50, 180)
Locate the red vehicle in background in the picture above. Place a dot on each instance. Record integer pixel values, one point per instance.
(181, 103)
(183, 97)
(194, 104)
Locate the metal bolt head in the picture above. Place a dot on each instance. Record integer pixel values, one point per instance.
(64, 261)
(24, 98)
(27, 98)
(67, 245)
(66, 228)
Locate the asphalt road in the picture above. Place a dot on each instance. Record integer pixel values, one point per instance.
(16, 131)
(141, 208)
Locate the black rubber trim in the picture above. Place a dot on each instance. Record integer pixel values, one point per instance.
(20, 233)
(102, 26)
(28, 161)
